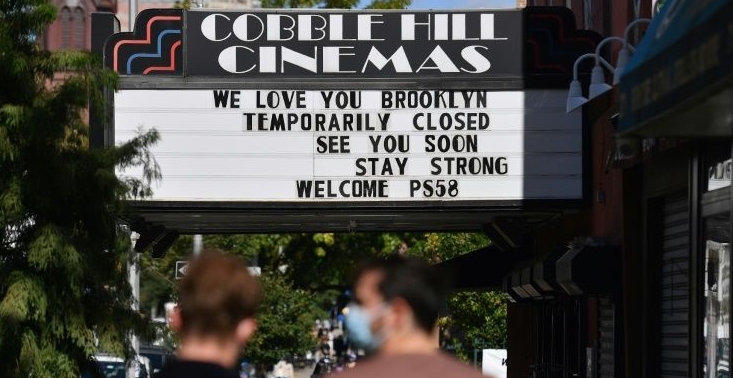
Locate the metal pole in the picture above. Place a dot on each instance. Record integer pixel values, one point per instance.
(132, 15)
(133, 271)
(134, 274)
(198, 244)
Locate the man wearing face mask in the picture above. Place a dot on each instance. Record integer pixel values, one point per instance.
(394, 318)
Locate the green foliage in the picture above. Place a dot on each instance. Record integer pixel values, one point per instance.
(389, 4)
(437, 247)
(182, 4)
(284, 322)
(325, 261)
(157, 277)
(342, 4)
(309, 3)
(476, 320)
(63, 265)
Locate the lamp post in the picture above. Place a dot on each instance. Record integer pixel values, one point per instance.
(598, 84)
(575, 93)
(626, 49)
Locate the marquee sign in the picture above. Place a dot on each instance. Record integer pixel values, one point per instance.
(367, 44)
(358, 145)
(317, 43)
(361, 116)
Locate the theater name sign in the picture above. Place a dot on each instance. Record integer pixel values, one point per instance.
(381, 109)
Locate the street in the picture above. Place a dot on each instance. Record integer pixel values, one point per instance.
(303, 373)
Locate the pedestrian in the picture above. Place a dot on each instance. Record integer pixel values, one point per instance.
(394, 319)
(245, 369)
(325, 364)
(350, 360)
(339, 345)
(215, 317)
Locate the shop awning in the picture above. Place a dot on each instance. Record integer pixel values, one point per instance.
(679, 81)
(563, 272)
(536, 279)
(482, 269)
(544, 273)
(589, 270)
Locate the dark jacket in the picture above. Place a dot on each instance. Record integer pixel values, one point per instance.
(195, 369)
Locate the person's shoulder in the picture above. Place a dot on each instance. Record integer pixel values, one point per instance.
(194, 369)
(437, 365)
(365, 368)
(454, 367)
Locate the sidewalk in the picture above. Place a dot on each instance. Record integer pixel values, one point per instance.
(303, 373)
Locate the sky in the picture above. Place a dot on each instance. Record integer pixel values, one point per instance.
(456, 4)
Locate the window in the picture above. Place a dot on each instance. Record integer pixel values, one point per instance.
(73, 28)
(65, 19)
(716, 297)
(79, 24)
(717, 165)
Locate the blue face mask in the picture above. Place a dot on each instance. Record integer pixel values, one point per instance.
(358, 323)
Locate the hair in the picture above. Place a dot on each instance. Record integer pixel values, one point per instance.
(216, 294)
(424, 287)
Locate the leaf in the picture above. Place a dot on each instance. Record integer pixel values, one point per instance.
(24, 299)
(11, 205)
(44, 249)
(389, 4)
(28, 351)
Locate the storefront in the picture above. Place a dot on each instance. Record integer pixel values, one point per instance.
(572, 295)
(675, 127)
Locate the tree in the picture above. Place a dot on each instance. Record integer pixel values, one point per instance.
(63, 255)
(158, 277)
(182, 4)
(476, 320)
(284, 323)
(324, 260)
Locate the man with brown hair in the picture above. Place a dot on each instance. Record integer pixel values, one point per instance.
(217, 300)
(394, 317)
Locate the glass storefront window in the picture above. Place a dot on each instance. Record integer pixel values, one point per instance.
(716, 313)
(719, 175)
(717, 164)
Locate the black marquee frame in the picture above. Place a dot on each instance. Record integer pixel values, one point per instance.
(552, 43)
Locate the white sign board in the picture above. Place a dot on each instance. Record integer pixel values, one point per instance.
(357, 145)
(494, 363)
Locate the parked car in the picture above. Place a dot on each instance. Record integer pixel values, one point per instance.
(159, 356)
(111, 366)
